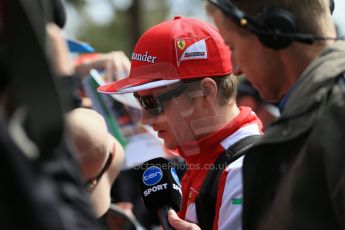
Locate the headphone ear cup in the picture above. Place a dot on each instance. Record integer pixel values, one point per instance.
(275, 21)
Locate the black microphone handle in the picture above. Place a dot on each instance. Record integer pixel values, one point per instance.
(163, 217)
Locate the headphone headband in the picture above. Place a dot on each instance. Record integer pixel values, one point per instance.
(276, 28)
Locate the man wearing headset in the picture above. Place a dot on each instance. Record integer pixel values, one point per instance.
(294, 178)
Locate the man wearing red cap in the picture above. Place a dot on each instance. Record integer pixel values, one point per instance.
(180, 75)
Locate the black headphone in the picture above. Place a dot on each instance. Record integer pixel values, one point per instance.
(275, 27)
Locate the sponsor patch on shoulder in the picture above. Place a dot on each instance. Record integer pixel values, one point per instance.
(190, 49)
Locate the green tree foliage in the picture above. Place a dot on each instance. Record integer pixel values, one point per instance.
(123, 31)
(104, 38)
(78, 4)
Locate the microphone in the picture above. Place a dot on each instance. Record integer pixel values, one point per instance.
(160, 188)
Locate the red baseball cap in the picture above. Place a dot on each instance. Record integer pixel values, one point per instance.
(181, 48)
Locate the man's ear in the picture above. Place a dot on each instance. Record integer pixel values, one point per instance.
(209, 89)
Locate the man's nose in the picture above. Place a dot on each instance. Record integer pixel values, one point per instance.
(236, 70)
(149, 119)
(146, 117)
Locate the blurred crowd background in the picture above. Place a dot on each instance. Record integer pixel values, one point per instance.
(117, 24)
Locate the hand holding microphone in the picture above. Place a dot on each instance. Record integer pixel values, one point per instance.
(160, 188)
(180, 224)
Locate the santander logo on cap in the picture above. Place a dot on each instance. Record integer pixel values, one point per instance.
(190, 49)
(144, 57)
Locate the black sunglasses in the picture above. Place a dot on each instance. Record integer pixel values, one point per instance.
(90, 184)
(154, 104)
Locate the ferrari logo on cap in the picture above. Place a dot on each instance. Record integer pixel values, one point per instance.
(181, 44)
(190, 49)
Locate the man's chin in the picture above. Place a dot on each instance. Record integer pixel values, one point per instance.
(169, 145)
